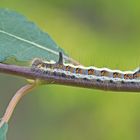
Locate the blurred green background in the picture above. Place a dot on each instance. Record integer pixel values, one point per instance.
(104, 33)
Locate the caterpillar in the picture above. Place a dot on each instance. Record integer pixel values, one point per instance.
(72, 72)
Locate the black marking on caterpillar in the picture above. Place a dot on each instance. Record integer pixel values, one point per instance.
(99, 75)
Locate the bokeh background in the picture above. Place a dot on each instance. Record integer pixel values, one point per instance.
(104, 33)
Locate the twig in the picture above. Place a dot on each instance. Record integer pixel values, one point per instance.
(26, 72)
(16, 98)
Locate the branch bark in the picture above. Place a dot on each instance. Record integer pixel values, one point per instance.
(26, 72)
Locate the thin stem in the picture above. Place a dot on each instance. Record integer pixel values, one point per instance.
(26, 72)
(16, 98)
(74, 62)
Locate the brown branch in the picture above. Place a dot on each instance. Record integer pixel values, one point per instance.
(26, 72)
(16, 98)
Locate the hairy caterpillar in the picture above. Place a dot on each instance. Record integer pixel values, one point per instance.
(69, 71)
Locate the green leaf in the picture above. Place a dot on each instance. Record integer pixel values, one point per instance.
(3, 131)
(23, 40)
